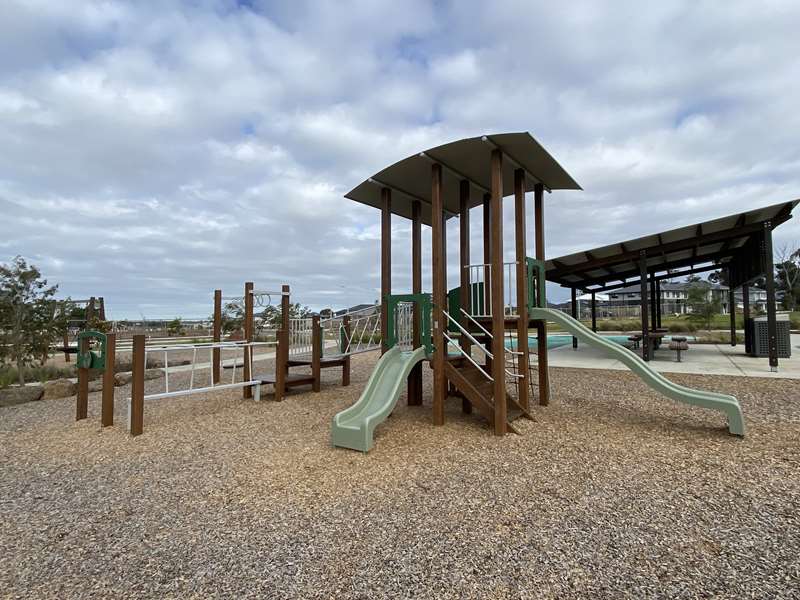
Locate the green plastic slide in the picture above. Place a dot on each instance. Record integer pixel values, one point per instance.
(354, 426)
(724, 403)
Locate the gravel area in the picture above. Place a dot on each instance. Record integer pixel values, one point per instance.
(612, 492)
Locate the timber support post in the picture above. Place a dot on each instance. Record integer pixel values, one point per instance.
(541, 326)
(415, 376)
(594, 313)
(574, 311)
(217, 337)
(439, 295)
(247, 392)
(316, 353)
(643, 303)
(497, 297)
(107, 407)
(346, 361)
(523, 321)
(136, 411)
(386, 262)
(769, 275)
(82, 401)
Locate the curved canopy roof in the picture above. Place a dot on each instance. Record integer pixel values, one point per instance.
(470, 159)
(716, 241)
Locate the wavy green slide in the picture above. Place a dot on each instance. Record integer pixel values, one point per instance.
(354, 426)
(724, 403)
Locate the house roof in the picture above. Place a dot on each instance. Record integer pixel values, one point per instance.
(470, 159)
(711, 242)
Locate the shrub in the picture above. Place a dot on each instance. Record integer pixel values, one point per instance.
(9, 374)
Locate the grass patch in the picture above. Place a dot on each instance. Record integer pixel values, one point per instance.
(10, 376)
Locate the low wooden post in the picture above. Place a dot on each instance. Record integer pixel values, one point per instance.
(346, 364)
(247, 375)
(281, 358)
(82, 404)
(217, 336)
(136, 424)
(316, 352)
(107, 410)
(66, 347)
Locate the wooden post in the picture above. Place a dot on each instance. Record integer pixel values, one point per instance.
(285, 308)
(643, 299)
(107, 410)
(732, 311)
(574, 311)
(89, 311)
(102, 309)
(316, 352)
(463, 272)
(769, 274)
(283, 343)
(281, 368)
(247, 375)
(522, 289)
(346, 364)
(136, 423)
(498, 312)
(217, 333)
(487, 259)
(541, 326)
(594, 313)
(82, 402)
(386, 263)
(439, 295)
(415, 376)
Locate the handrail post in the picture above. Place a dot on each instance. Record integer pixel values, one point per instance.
(217, 336)
(247, 392)
(281, 358)
(82, 403)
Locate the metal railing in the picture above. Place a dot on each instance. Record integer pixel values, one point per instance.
(464, 353)
(246, 349)
(508, 352)
(364, 334)
(301, 336)
(480, 289)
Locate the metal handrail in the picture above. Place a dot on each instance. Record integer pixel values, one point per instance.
(467, 333)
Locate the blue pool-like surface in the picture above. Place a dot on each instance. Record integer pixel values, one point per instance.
(557, 340)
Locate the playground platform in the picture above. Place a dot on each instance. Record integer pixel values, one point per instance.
(700, 359)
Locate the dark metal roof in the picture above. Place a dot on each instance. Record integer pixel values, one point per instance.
(470, 158)
(715, 241)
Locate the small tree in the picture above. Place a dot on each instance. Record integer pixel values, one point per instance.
(175, 327)
(26, 303)
(704, 306)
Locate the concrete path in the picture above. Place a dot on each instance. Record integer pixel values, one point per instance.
(702, 359)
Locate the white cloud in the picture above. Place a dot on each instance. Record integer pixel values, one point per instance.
(153, 151)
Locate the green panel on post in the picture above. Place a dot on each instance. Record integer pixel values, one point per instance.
(424, 301)
(90, 359)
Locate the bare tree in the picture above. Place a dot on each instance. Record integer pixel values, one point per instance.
(787, 264)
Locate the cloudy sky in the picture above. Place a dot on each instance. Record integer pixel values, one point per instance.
(152, 151)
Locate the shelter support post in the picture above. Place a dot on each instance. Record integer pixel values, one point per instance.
(523, 357)
(574, 311)
(768, 268)
(659, 306)
(746, 316)
(644, 312)
(497, 296)
(386, 262)
(653, 303)
(594, 312)
(487, 251)
(415, 376)
(732, 310)
(247, 392)
(107, 407)
(541, 326)
(439, 294)
(463, 271)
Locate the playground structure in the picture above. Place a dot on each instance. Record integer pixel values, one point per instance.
(93, 308)
(308, 342)
(463, 333)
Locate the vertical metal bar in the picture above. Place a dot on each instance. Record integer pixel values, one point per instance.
(194, 362)
(166, 371)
